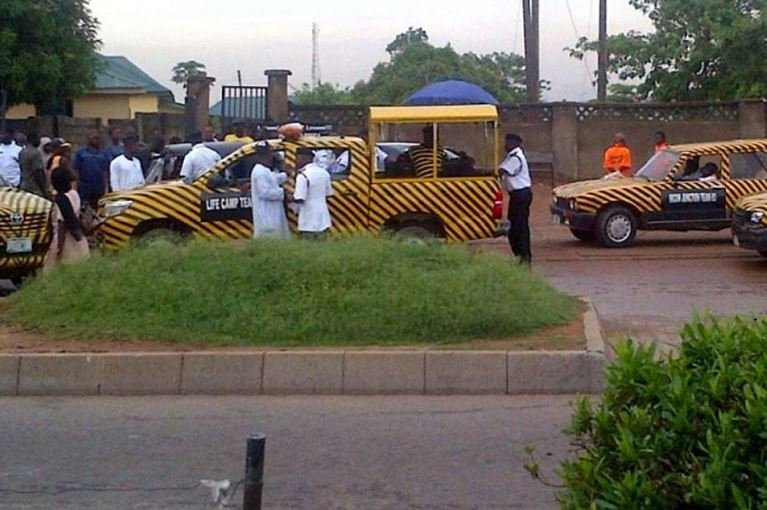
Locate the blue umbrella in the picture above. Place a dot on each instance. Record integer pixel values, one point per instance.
(451, 92)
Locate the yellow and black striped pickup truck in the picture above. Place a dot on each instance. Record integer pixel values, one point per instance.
(25, 233)
(749, 223)
(686, 187)
(216, 206)
(459, 203)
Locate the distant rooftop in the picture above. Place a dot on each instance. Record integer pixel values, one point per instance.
(117, 72)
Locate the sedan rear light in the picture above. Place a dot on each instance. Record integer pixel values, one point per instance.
(498, 206)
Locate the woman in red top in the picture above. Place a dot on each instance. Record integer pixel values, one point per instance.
(660, 141)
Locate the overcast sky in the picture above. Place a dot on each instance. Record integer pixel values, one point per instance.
(227, 35)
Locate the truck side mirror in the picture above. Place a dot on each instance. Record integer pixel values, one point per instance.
(217, 181)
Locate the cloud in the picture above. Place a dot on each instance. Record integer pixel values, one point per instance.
(240, 34)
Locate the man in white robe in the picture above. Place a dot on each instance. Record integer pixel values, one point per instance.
(268, 196)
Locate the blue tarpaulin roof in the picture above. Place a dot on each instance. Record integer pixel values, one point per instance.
(451, 92)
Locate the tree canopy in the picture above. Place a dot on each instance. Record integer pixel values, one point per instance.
(183, 70)
(47, 51)
(700, 50)
(415, 63)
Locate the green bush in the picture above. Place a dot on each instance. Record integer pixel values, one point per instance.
(674, 433)
(351, 292)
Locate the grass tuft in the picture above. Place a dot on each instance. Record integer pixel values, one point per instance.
(347, 292)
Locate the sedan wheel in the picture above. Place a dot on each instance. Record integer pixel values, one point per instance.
(617, 227)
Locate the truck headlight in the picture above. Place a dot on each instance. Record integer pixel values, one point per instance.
(757, 217)
(116, 208)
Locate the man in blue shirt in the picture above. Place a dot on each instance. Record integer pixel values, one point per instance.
(92, 166)
(117, 147)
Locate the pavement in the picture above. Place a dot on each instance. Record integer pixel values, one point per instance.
(321, 452)
(650, 290)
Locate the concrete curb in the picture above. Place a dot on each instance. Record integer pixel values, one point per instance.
(406, 372)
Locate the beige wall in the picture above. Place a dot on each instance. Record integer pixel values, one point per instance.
(145, 103)
(20, 111)
(114, 106)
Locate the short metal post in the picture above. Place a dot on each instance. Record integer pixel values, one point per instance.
(254, 472)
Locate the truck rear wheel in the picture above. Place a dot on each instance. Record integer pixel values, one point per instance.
(415, 231)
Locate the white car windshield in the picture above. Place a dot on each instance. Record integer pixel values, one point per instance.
(658, 167)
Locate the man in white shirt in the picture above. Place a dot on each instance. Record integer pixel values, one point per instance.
(313, 187)
(199, 160)
(125, 170)
(268, 197)
(515, 179)
(341, 164)
(10, 167)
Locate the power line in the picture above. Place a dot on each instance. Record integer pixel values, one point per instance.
(578, 37)
(316, 73)
(516, 28)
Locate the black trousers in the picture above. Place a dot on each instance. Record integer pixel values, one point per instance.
(519, 219)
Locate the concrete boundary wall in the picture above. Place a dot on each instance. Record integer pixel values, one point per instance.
(341, 372)
(574, 136)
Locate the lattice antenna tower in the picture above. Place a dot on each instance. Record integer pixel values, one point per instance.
(316, 73)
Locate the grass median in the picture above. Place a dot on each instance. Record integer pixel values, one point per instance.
(347, 292)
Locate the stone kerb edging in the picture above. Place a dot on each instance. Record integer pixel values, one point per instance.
(402, 372)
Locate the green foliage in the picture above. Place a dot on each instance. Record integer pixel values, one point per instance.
(324, 94)
(416, 63)
(183, 70)
(622, 93)
(700, 50)
(46, 51)
(684, 432)
(352, 291)
(405, 39)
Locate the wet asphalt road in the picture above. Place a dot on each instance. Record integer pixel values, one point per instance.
(321, 452)
(650, 290)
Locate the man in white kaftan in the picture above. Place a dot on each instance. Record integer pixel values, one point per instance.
(268, 197)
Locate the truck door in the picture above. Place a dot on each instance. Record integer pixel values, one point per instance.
(225, 208)
(348, 163)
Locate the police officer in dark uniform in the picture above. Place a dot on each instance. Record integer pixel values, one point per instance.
(515, 177)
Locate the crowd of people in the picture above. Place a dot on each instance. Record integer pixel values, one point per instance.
(75, 180)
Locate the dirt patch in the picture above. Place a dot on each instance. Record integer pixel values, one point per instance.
(13, 341)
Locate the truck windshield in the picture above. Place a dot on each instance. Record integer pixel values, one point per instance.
(659, 166)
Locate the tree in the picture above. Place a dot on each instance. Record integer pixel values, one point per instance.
(183, 70)
(405, 39)
(47, 52)
(700, 50)
(324, 94)
(415, 63)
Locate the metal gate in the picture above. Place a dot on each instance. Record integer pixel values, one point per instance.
(243, 102)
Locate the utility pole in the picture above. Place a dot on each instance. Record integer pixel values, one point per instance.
(316, 76)
(530, 13)
(603, 54)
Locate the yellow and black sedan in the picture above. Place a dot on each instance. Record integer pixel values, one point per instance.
(749, 224)
(684, 188)
(25, 233)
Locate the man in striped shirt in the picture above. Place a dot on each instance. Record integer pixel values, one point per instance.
(422, 156)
